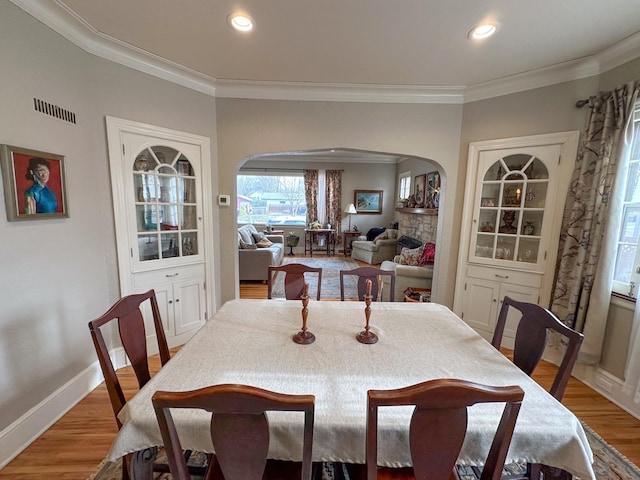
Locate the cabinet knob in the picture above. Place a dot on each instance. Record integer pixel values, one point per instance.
(177, 300)
(170, 302)
(170, 275)
(501, 276)
(495, 300)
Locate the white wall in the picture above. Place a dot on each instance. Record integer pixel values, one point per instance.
(59, 274)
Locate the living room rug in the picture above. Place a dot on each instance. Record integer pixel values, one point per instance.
(609, 464)
(330, 288)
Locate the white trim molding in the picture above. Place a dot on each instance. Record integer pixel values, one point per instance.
(338, 92)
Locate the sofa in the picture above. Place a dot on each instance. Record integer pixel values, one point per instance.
(255, 255)
(413, 276)
(381, 248)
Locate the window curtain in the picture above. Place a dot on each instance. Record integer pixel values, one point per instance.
(311, 194)
(632, 371)
(333, 199)
(584, 271)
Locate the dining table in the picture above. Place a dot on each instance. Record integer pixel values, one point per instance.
(251, 342)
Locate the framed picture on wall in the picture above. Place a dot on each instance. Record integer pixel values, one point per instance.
(368, 201)
(419, 190)
(432, 194)
(34, 184)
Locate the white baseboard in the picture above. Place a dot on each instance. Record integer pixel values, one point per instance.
(26, 429)
(21, 433)
(603, 382)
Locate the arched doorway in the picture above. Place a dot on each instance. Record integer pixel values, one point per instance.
(363, 169)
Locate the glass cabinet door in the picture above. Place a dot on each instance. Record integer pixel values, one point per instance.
(510, 211)
(165, 203)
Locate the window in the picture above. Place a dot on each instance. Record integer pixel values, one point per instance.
(625, 279)
(275, 199)
(404, 187)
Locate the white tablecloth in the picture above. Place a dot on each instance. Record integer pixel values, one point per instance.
(249, 342)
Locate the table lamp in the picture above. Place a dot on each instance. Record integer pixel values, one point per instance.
(350, 210)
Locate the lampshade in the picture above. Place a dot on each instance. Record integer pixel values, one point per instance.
(350, 209)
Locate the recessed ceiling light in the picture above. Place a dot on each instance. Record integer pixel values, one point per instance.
(240, 22)
(483, 31)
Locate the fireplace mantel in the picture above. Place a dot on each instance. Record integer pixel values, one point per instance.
(418, 211)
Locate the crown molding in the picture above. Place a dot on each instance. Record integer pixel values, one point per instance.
(543, 77)
(622, 52)
(338, 92)
(59, 18)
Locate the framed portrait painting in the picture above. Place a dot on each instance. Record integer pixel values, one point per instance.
(368, 201)
(34, 184)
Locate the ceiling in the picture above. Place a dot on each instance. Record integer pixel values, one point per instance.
(380, 46)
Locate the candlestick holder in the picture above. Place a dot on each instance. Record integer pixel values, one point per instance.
(366, 336)
(304, 337)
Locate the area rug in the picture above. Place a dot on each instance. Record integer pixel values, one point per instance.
(330, 288)
(609, 464)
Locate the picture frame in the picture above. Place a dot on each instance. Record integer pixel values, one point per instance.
(420, 189)
(368, 201)
(26, 197)
(432, 195)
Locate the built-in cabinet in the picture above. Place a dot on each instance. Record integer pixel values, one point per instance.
(158, 190)
(515, 194)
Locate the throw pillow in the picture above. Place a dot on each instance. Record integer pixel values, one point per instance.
(257, 236)
(245, 233)
(428, 255)
(264, 243)
(247, 246)
(383, 236)
(410, 256)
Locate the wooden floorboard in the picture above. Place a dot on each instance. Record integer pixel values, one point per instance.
(74, 446)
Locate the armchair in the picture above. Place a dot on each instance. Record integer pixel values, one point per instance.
(382, 248)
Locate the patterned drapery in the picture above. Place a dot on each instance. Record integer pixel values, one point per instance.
(311, 194)
(333, 199)
(584, 270)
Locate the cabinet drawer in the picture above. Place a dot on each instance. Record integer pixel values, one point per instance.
(166, 275)
(526, 279)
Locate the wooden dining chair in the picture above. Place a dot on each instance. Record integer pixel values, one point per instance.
(439, 424)
(239, 428)
(373, 274)
(531, 340)
(127, 314)
(293, 280)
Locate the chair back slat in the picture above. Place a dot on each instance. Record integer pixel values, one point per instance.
(447, 428)
(231, 434)
(134, 341)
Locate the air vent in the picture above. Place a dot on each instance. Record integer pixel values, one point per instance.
(54, 110)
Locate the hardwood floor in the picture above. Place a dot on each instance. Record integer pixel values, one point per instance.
(75, 445)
